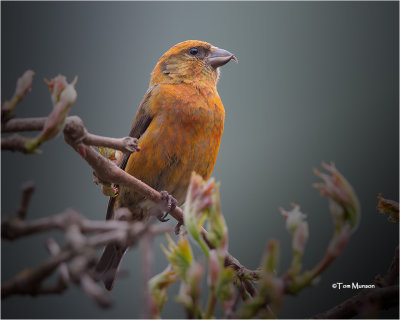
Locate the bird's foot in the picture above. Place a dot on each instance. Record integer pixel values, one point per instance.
(171, 203)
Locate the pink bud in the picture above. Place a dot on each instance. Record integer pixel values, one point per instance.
(24, 83)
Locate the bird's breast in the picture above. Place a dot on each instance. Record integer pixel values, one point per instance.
(184, 136)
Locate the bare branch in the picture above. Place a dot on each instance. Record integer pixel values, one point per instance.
(126, 144)
(147, 267)
(76, 259)
(54, 249)
(16, 142)
(385, 295)
(27, 190)
(93, 290)
(26, 124)
(29, 281)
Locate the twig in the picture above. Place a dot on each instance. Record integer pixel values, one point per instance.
(27, 190)
(147, 267)
(54, 249)
(93, 290)
(79, 251)
(386, 295)
(26, 124)
(29, 281)
(16, 142)
(126, 144)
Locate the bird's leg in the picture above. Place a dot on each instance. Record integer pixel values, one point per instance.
(171, 203)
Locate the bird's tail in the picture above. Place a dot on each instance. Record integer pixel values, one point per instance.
(109, 263)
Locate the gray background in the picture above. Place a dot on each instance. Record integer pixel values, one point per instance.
(316, 81)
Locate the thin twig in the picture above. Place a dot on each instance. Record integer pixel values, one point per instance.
(25, 124)
(126, 144)
(16, 142)
(54, 249)
(385, 294)
(27, 191)
(387, 297)
(147, 267)
(29, 281)
(79, 251)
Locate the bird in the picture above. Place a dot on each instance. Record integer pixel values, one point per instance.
(179, 125)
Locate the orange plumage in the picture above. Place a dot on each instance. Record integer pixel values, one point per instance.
(179, 125)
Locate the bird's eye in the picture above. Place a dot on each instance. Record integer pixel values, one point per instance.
(193, 51)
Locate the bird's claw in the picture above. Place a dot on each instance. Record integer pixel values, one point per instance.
(171, 205)
(162, 217)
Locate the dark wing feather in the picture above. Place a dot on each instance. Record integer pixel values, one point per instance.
(140, 124)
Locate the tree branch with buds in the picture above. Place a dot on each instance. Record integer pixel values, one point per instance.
(74, 261)
(77, 136)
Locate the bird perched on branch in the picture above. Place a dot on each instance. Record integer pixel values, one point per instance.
(179, 125)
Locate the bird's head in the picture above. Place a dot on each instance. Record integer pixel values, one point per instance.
(193, 62)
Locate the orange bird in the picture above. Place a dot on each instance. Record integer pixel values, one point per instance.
(179, 125)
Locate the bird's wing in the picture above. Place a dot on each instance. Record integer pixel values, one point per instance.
(140, 124)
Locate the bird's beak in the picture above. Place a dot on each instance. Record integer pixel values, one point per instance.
(218, 57)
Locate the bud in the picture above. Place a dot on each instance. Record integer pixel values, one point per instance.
(24, 83)
(203, 203)
(179, 255)
(339, 190)
(57, 85)
(293, 218)
(63, 96)
(159, 284)
(271, 257)
(217, 228)
(388, 206)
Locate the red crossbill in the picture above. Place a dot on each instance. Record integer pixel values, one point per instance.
(179, 125)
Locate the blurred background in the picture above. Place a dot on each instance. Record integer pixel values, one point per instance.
(316, 81)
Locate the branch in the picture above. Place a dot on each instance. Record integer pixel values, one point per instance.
(18, 142)
(105, 170)
(63, 96)
(26, 124)
(75, 260)
(27, 191)
(386, 295)
(14, 143)
(76, 135)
